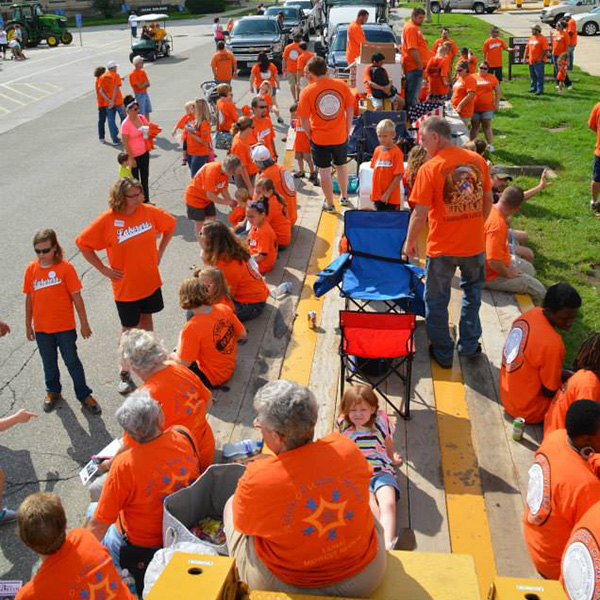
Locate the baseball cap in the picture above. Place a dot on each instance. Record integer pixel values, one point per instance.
(260, 154)
(111, 64)
(500, 173)
(567, 15)
(537, 28)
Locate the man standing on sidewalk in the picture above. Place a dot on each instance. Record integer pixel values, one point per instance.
(356, 36)
(453, 190)
(415, 55)
(572, 33)
(535, 52)
(326, 110)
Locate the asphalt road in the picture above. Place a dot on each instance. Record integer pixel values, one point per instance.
(56, 174)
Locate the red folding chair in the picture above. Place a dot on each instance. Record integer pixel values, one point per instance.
(375, 346)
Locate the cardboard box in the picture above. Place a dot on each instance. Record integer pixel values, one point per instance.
(388, 49)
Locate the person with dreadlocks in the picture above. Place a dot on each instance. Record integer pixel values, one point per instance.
(583, 384)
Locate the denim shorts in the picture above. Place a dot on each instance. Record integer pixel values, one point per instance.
(382, 479)
(596, 170)
(484, 114)
(144, 102)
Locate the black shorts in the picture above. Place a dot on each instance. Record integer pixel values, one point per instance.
(596, 170)
(195, 369)
(200, 214)
(131, 311)
(385, 206)
(496, 72)
(325, 156)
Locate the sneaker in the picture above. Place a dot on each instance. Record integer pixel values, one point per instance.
(328, 207)
(477, 352)
(595, 206)
(314, 178)
(91, 405)
(117, 142)
(50, 401)
(7, 516)
(444, 365)
(126, 385)
(490, 147)
(280, 120)
(299, 174)
(344, 201)
(103, 141)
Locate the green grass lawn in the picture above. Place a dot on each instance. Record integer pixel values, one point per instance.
(550, 130)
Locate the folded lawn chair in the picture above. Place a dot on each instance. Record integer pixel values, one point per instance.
(375, 346)
(373, 269)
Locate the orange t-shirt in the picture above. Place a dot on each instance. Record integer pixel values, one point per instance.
(183, 398)
(50, 289)
(227, 114)
(237, 215)
(118, 82)
(560, 42)
(462, 86)
(594, 125)
(325, 103)
(412, 39)
(386, 163)
(484, 94)
(580, 563)
(242, 149)
(286, 186)
(107, 83)
(536, 46)
(210, 339)
(308, 510)
(139, 480)
(291, 54)
(136, 77)
(257, 76)
(245, 282)
(130, 244)
(572, 31)
(210, 178)
(452, 184)
(223, 62)
(496, 242)
(302, 60)
(279, 222)
(268, 99)
(187, 118)
(194, 147)
(99, 98)
(561, 489)
(492, 51)
(472, 64)
(532, 357)
(582, 385)
(441, 41)
(264, 133)
(301, 141)
(435, 72)
(262, 240)
(82, 568)
(356, 37)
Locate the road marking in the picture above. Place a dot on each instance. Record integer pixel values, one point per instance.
(16, 91)
(17, 98)
(10, 99)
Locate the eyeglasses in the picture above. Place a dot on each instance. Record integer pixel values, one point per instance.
(482, 68)
(257, 204)
(134, 195)
(42, 250)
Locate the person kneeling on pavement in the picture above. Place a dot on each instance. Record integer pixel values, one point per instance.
(299, 521)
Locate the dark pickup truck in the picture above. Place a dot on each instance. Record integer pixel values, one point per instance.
(252, 35)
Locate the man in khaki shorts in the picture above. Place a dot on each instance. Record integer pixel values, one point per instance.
(291, 54)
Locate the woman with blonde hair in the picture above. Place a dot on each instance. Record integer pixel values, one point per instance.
(128, 231)
(241, 146)
(199, 143)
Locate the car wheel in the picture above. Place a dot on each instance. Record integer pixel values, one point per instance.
(479, 8)
(557, 18)
(489, 11)
(590, 28)
(151, 56)
(435, 8)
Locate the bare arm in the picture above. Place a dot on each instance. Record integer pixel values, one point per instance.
(86, 331)
(418, 219)
(488, 201)
(21, 416)
(165, 238)
(502, 270)
(497, 96)
(543, 184)
(96, 528)
(464, 101)
(395, 183)
(417, 58)
(29, 318)
(95, 261)
(305, 122)
(349, 119)
(125, 139)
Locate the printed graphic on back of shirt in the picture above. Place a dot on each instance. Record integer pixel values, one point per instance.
(463, 192)
(328, 104)
(223, 336)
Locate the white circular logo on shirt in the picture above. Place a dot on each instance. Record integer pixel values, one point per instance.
(288, 182)
(535, 489)
(265, 74)
(293, 54)
(512, 345)
(52, 274)
(329, 104)
(578, 572)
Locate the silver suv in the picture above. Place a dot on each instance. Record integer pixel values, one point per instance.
(477, 6)
(553, 14)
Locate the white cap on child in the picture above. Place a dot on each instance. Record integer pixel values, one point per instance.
(260, 154)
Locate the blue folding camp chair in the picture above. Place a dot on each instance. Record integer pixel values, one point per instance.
(373, 268)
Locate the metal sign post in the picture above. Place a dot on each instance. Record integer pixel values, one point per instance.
(79, 23)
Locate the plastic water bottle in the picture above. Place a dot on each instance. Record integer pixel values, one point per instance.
(282, 290)
(242, 449)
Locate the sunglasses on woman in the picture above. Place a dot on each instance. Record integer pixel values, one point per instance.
(42, 250)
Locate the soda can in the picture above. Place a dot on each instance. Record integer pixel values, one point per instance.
(518, 429)
(312, 319)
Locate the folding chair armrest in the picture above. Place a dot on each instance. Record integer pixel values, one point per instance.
(417, 271)
(338, 264)
(331, 276)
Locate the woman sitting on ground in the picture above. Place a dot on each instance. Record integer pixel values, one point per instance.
(299, 521)
(223, 249)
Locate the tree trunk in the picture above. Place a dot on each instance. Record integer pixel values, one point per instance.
(427, 11)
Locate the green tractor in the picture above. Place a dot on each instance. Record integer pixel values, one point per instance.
(37, 26)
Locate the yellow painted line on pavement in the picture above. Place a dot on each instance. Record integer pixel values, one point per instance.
(524, 301)
(11, 99)
(16, 91)
(5, 110)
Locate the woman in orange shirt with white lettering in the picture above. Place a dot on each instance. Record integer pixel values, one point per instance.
(264, 70)
(243, 138)
(262, 240)
(463, 92)
(277, 211)
(487, 101)
(198, 138)
(52, 288)
(128, 231)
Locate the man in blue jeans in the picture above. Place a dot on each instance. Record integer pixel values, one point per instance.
(453, 190)
(415, 54)
(535, 53)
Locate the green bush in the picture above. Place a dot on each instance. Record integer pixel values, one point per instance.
(205, 6)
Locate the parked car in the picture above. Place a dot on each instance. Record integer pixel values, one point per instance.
(341, 15)
(252, 35)
(478, 6)
(588, 23)
(294, 20)
(553, 14)
(379, 8)
(313, 13)
(374, 32)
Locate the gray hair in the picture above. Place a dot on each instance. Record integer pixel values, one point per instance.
(141, 351)
(438, 125)
(231, 163)
(139, 416)
(289, 409)
(137, 60)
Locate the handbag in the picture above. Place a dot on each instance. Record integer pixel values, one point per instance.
(222, 140)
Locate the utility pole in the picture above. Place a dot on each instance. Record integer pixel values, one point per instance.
(428, 11)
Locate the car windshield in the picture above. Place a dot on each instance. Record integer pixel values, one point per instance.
(372, 35)
(305, 4)
(595, 10)
(255, 27)
(290, 13)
